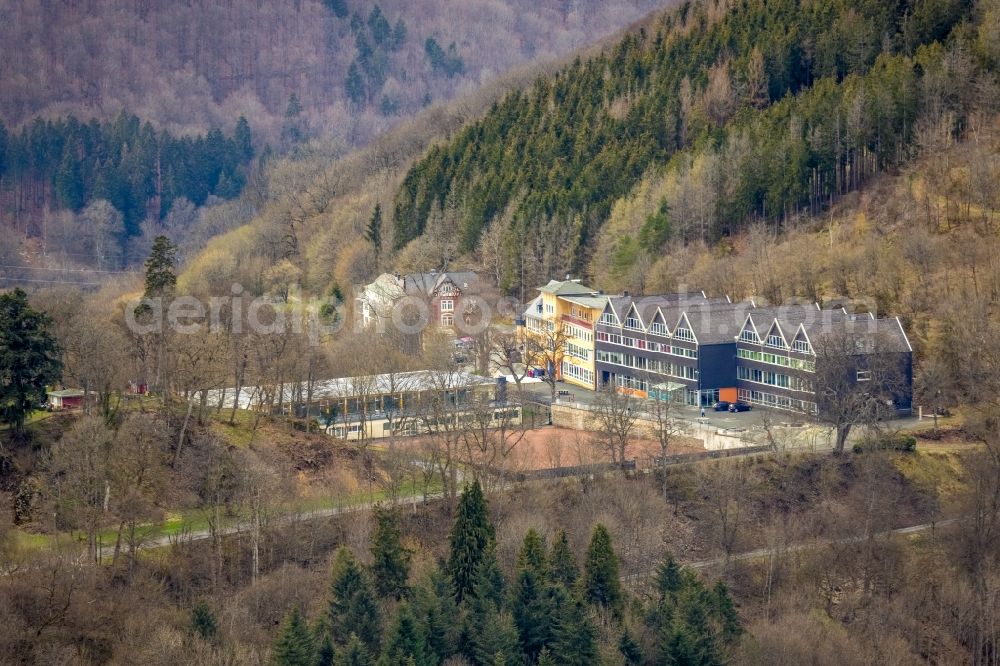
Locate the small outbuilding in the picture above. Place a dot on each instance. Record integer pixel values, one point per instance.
(65, 399)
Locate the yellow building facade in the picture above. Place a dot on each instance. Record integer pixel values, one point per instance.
(566, 311)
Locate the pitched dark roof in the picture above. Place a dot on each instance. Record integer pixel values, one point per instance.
(426, 283)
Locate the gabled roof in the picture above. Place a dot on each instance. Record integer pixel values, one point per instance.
(591, 302)
(776, 326)
(532, 308)
(717, 322)
(67, 393)
(428, 283)
(812, 324)
(566, 288)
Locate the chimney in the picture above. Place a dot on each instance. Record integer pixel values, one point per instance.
(625, 294)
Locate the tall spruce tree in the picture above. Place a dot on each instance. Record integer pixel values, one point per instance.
(562, 562)
(472, 537)
(601, 582)
(243, 140)
(405, 641)
(724, 612)
(390, 560)
(531, 604)
(532, 554)
(161, 268)
(29, 359)
(353, 654)
(668, 580)
(373, 234)
(434, 602)
(353, 606)
(574, 637)
(491, 632)
(326, 653)
(630, 650)
(294, 646)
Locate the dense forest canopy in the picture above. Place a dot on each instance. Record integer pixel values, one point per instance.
(124, 161)
(110, 179)
(794, 101)
(357, 66)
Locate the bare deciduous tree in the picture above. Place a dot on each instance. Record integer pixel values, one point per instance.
(858, 376)
(614, 416)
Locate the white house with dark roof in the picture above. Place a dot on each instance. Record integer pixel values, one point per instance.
(440, 292)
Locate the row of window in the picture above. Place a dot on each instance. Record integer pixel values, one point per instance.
(638, 343)
(776, 359)
(576, 351)
(776, 341)
(656, 328)
(537, 325)
(779, 401)
(578, 373)
(627, 382)
(771, 378)
(648, 364)
(578, 332)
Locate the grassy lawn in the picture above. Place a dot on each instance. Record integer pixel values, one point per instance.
(193, 521)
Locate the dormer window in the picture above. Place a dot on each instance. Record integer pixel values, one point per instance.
(658, 328)
(802, 346)
(633, 324)
(608, 319)
(748, 335)
(775, 341)
(447, 288)
(684, 334)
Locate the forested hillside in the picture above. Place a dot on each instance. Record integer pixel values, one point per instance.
(764, 109)
(126, 108)
(355, 65)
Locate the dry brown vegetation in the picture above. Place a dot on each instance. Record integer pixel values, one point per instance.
(203, 64)
(848, 593)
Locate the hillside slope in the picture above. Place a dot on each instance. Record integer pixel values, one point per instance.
(197, 65)
(765, 109)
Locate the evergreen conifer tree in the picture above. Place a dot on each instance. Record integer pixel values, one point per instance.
(491, 632)
(203, 622)
(29, 359)
(161, 276)
(531, 604)
(69, 185)
(601, 582)
(724, 612)
(562, 562)
(353, 654)
(326, 653)
(353, 606)
(472, 537)
(574, 637)
(434, 603)
(390, 560)
(629, 649)
(668, 578)
(243, 140)
(532, 554)
(373, 234)
(294, 646)
(405, 641)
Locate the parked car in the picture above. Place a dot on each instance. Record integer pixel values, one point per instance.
(740, 406)
(722, 406)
